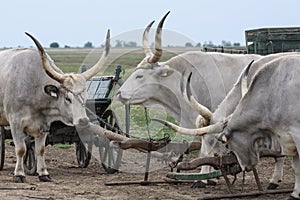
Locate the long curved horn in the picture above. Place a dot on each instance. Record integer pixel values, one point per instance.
(215, 128)
(146, 47)
(96, 68)
(184, 94)
(201, 109)
(244, 87)
(158, 46)
(45, 62)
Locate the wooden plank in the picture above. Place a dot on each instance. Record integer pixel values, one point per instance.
(118, 183)
(193, 176)
(250, 194)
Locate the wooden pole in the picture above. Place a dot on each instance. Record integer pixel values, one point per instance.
(250, 194)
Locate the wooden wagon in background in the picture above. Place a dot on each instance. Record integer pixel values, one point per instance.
(265, 41)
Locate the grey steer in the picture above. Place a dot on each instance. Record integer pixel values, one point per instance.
(34, 93)
(157, 83)
(268, 112)
(210, 144)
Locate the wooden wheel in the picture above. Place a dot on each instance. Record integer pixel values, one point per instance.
(29, 160)
(110, 156)
(2, 146)
(83, 153)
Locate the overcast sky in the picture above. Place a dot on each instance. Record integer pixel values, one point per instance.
(74, 22)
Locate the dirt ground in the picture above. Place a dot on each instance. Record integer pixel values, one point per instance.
(72, 182)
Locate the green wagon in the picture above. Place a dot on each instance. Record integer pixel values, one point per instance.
(265, 41)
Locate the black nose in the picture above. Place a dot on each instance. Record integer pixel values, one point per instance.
(84, 121)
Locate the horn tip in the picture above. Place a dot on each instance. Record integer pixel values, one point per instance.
(37, 43)
(190, 75)
(107, 43)
(151, 23)
(148, 27)
(167, 14)
(163, 20)
(188, 87)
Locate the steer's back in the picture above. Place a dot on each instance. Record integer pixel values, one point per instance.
(214, 74)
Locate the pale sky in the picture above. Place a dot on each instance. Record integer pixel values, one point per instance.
(74, 22)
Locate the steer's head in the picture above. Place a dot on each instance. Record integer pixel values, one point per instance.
(241, 146)
(251, 144)
(148, 74)
(68, 97)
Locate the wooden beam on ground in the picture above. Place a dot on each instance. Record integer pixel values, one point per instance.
(250, 194)
(193, 176)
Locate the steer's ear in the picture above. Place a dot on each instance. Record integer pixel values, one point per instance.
(52, 91)
(165, 71)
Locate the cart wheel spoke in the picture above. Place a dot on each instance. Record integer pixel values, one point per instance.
(110, 156)
(29, 160)
(83, 153)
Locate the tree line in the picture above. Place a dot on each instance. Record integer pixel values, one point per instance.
(121, 43)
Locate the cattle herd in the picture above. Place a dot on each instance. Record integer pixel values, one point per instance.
(240, 103)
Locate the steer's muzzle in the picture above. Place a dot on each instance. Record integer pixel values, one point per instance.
(121, 98)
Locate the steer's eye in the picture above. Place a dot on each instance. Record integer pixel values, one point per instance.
(139, 76)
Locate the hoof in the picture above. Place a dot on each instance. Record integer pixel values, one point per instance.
(198, 184)
(19, 179)
(45, 178)
(272, 186)
(111, 170)
(211, 183)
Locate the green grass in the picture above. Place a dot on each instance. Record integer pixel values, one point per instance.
(62, 146)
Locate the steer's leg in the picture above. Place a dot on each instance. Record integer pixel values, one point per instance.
(277, 174)
(206, 146)
(296, 167)
(39, 152)
(20, 149)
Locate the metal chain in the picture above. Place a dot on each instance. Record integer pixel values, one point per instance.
(104, 122)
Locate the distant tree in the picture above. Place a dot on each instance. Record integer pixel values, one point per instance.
(188, 44)
(209, 44)
(54, 45)
(66, 46)
(119, 43)
(226, 43)
(198, 44)
(236, 44)
(130, 44)
(88, 45)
